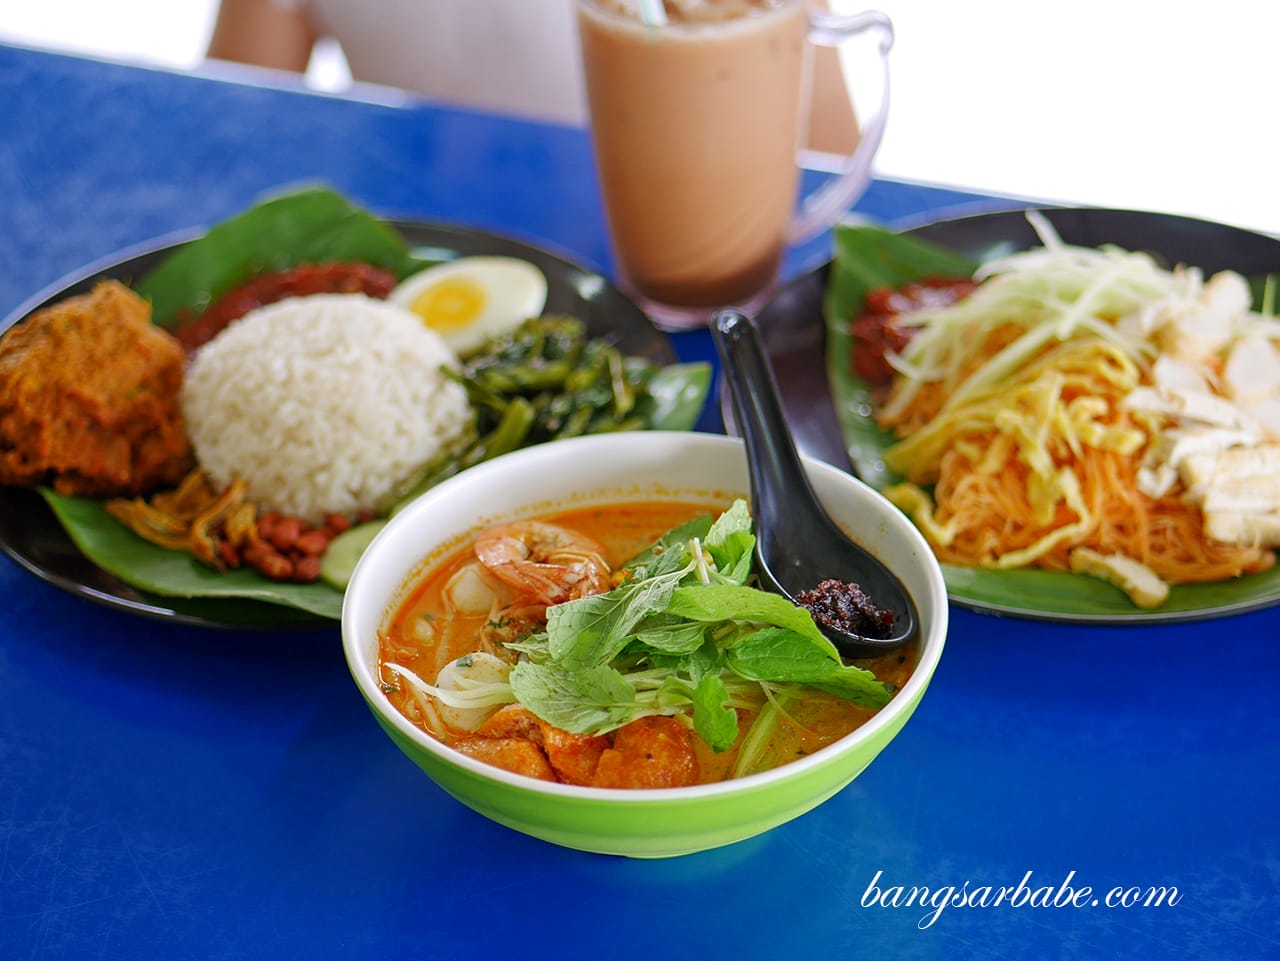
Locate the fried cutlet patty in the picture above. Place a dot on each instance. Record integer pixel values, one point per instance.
(89, 397)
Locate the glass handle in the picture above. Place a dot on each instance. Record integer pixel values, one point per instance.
(822, 208)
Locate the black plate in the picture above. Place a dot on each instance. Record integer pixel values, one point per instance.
(33, 537)
(794, 333)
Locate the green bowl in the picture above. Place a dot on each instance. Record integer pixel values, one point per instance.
(611, 469)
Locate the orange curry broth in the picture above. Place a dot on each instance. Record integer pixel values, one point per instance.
(623, 531)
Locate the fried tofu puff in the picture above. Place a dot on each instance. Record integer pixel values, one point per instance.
(89, 398)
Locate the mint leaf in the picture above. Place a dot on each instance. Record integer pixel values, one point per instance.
(735, 559)
(670, 635)
(707, 659)
(713, 603)
(714, 720)
(736, 520)
(589, 701)
(536, 647)
(592, 630)
(776, 654)
(730, 542)
(670, 552)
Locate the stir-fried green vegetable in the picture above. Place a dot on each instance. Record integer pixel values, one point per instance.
(573, 384)
(548, 380)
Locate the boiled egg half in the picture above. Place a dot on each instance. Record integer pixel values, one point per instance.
(471, 300)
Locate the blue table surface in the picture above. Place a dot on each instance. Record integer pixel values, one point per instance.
(177, 792)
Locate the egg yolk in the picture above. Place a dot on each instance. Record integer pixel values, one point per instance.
(451, 304)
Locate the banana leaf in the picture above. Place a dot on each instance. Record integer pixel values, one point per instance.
(306, 226)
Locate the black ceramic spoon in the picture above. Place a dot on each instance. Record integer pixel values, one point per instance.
(798, 545)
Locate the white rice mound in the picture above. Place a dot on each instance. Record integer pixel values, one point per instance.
(322, 404)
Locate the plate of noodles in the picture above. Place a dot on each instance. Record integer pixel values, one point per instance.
(181, 543)
(1077, 406)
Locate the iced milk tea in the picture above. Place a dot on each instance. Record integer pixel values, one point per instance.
(695, 128)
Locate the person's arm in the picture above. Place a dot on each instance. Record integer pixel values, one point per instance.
(266, 33)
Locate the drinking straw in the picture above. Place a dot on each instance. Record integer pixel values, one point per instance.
(653, 13)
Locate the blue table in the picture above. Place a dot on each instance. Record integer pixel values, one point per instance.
(177, 792)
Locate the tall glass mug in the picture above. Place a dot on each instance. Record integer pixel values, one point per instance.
(696, 125)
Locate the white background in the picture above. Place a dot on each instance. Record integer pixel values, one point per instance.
(1130, 104)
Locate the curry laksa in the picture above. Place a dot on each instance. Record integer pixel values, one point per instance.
(623, 646)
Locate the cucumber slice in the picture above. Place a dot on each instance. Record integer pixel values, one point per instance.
(344, 550)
